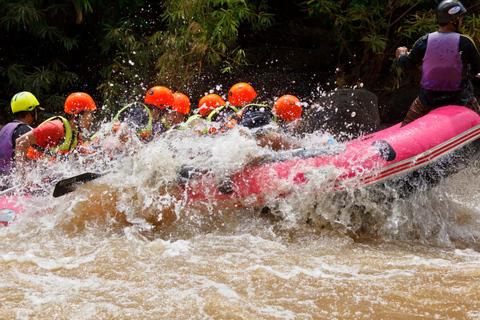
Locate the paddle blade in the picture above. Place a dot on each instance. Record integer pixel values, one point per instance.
(69, 185)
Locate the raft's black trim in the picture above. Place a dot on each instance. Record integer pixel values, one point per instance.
(225, 186)
(385, 149)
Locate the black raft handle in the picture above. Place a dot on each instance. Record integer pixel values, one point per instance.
(385, 149)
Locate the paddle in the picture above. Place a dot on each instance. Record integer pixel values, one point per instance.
(69, 185)
(7, 191)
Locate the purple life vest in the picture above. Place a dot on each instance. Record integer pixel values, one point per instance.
(442, 63)
(6, 145)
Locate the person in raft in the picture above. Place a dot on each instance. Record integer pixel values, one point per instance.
(145, 121)
(286, 112)
(176, 114)
(58, 136)
(133, 119)
(209, 112)
(214, 108)
(448, 59)
(25, 108)
(180, 109)
(158, 99)
(148, 120)
(137, 118)
(242, 95)
(215, 111)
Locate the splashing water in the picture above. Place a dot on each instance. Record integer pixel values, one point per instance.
(125, 246)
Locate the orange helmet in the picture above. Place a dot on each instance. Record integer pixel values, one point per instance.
(241, 94)
(78, 102)
(181, 103)
(209, 103)
(288, 108)
(160, 97)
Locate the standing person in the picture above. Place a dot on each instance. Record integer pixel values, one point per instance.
(57, 136)
(448, 59)
(25, 108)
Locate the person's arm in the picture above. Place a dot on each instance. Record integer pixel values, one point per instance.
(407, 61)
(20, 131)
(17, 133)
(276, 141)
(21, 150)
(470, 53)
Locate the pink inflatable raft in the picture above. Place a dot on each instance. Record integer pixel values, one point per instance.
(386, 154)
(9, 209)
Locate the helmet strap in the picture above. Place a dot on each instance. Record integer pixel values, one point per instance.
(456, 23)
(34, 114)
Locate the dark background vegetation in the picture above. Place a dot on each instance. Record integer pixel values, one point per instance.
(116, 50)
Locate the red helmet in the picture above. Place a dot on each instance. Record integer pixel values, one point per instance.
(159, 97)
(241, 94)
(209, 103)
(181, 103)
(288, 108)
(78, 102)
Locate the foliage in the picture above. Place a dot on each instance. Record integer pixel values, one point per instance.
(206, 32)
(194, 34)
(28, 63)
(131, 66)
(132, 43)
(116, 49)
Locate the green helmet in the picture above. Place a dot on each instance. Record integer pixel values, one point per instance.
(23, 101)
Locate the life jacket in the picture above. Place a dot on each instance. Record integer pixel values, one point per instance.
(215, 112)
(442, 63)
(219, 110)
(167, 124)
(250, 116)
(186, 124)
(65, 145)
(94, 140)
(190, 123)
(6, 145)
(143, 132)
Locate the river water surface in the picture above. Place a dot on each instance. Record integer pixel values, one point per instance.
(103, 252)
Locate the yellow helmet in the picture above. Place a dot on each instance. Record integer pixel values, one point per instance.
(23, 101)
